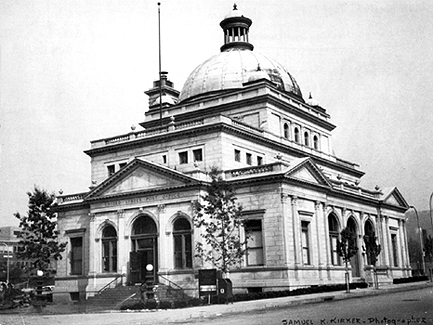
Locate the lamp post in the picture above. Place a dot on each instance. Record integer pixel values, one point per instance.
(7, 259)
(431, 217)
(431, 220)
(420, 240)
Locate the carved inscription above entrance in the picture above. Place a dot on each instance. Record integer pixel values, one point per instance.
(146, 199)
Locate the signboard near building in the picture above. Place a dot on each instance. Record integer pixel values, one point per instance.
(207, 282)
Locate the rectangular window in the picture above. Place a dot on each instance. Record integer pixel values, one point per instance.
(249, 158)
(334, 253)
(109, 255)
(77, 256)
(305, 243)
(111, 170)
(183, 157)
(164, 159)
(394, 249)
(253, 229)
(198, 155)
(121, 165)
(237, 155)
(259, 161)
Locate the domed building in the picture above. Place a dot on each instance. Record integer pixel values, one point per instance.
(244, 113)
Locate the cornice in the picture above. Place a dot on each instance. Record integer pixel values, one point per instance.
(221, 126)
(144, 192)
(264, 98)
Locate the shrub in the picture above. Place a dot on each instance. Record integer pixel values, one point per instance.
(132, 305)
(410, 279)
(165, 304)
(195, 302)
(180, 304)
(151, 304)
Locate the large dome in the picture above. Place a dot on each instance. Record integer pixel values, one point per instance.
(232, 68)
(236, 64)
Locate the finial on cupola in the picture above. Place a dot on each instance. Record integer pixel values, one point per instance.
(235, 6)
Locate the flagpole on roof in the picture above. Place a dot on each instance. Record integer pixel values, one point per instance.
(160, 78)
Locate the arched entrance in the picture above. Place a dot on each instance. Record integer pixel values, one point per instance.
(144, 252)
(354, 261)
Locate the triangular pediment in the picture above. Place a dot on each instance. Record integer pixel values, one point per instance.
(140, 175)
(394, 197)
(305, 170)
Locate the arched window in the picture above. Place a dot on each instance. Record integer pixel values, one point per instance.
(334, 231)
(182, 244)
(144, 226)
(286, 130)
(306, 139)
(316, 142)
(296, 131)
(370, 236)
(109, 249)
(354, 261)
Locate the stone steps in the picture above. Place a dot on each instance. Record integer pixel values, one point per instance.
(113, 297)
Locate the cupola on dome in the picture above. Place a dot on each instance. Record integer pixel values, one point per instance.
(236, 64)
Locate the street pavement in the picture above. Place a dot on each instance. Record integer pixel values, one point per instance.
(66, 314)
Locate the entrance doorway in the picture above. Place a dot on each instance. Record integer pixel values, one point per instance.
(354, 261)
(144, 253)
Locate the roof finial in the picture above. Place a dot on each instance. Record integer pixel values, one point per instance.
(235, 6)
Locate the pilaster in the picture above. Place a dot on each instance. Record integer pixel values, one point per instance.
(319, 216)
(92, 248)
(122, 253)
(296, 234)
(286, 232)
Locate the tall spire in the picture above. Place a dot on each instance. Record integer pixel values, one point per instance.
(236, 28)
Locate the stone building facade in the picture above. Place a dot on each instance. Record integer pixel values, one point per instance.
(244, 113)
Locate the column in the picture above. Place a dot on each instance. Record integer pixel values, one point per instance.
(327, 243)
(319, 216)
(403, 247)
(401, 257)
(388, 248)
(407, 261)
(379, 235)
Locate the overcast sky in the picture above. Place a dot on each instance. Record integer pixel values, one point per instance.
(73, 71)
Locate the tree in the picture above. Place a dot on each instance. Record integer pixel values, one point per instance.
(220, 217)
(372, 250)
(38, 236)
(347, 248)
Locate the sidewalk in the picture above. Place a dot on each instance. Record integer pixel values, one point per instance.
(246, 306)
(72, 314)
